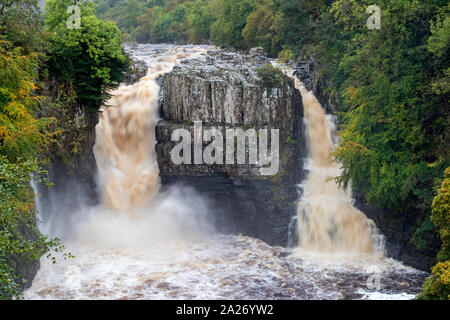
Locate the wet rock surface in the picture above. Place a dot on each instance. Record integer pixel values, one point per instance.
(307, 69)
(24, 267)
(138, 69)
(399, 230)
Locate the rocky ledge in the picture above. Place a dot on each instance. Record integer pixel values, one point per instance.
(223, 91)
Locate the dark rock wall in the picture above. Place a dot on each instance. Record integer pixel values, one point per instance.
(399, 229)
(307, 69)
(25, 268)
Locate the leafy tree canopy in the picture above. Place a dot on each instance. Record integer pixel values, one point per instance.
(90, 57)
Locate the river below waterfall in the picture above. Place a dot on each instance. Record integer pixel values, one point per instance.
(168, 250)
(223, 267)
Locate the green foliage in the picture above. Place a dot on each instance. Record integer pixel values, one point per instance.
(200, 20)
(439, 41)
(56, 15)
(231, 20)
(242, 24)
(394, 127)
(171, 26)
(271, 77)
(286, 55)
(259, 32)
(437, 286)
(91, 57)
(21, 135)
(20, 241)
(439, 45)
(441, 216)
(291, 23)
(20, 23)
(69, 129)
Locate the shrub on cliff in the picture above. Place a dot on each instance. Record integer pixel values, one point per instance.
(438, 285)
(285, 55)
(270, 76)
(441, 216)
(21, 134)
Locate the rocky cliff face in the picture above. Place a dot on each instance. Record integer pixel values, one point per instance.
(399, 230)
(138, 69)
(307, 69)
(222, 90)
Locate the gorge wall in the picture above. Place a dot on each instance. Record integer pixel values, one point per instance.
(223, 91)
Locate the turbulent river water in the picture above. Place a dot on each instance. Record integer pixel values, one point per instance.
(140, 243)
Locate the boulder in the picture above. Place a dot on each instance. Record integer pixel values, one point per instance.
(138, 69)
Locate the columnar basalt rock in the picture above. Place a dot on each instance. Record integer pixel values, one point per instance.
(222, 90)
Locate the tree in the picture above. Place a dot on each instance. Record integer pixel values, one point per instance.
(384, 142)
(259, 30)
(21, 135)
(19, 23)
(291, 24)
(441, 216)
(92, 57)
(231, 20)
(270, 76)
(437, 286)
(200, 19)
(22, 138)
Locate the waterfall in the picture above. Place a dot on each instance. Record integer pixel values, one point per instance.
(125, 147)
(327, 221)
(125, 142)
(38, 205)
(141, 242)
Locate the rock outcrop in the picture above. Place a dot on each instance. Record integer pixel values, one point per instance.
(307, 69)
(138, 69)
(222, 90)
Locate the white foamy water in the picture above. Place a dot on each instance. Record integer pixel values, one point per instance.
(140, 243)
(219, 267)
